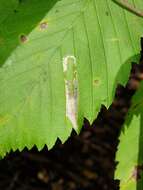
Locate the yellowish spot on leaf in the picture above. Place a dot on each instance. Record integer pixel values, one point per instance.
(4, 119)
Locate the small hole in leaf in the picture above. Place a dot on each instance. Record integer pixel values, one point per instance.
(23, 38)
(43, 25)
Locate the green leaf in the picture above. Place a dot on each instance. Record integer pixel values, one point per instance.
(41, 97)
(130, 150)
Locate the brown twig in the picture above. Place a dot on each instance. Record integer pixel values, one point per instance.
(125, 4)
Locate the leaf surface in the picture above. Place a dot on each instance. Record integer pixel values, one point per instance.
(41, 96)
(130, 150)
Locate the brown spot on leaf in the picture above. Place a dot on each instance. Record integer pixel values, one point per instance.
(43, 25)
(23, 38)
(96, 82)
(136, 174)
